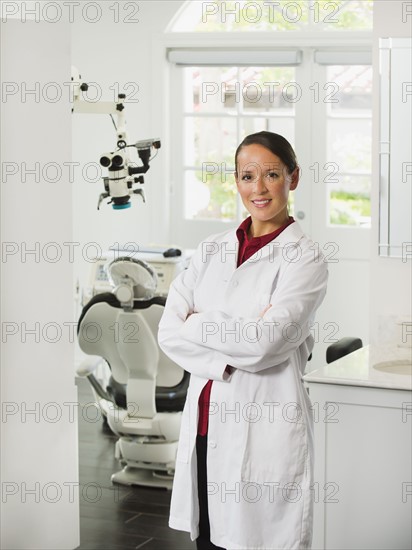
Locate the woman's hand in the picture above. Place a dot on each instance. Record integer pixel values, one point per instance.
(265, 310)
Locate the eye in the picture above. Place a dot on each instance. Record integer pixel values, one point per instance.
(246, 177)
(272, 175)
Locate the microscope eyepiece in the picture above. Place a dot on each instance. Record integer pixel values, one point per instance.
(117, 161)
(105, 161)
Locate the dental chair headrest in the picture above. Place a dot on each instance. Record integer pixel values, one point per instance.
(131, 279)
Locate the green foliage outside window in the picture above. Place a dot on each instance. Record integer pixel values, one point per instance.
(349, 208)
(223, 193)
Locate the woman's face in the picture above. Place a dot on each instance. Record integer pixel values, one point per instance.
(263, 183)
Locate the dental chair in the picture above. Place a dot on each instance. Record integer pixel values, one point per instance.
(146, 391)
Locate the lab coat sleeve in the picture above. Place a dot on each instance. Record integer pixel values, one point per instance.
(194, 357)
(254, 344)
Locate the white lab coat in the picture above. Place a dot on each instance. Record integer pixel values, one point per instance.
(260, 438)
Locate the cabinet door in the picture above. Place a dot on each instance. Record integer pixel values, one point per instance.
(363, 456)
(368, 461)
(395, 147)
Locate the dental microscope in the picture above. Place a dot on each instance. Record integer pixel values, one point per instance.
(124, 177)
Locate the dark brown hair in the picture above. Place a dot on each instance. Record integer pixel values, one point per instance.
(276, 143)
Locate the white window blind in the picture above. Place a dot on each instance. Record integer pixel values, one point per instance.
(234, 57)
(344, 57)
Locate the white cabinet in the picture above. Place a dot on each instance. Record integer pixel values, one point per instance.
(395, 195)
(363, 457)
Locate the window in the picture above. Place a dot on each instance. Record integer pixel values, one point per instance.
(282, 15)
(349, 122)
(311, 84)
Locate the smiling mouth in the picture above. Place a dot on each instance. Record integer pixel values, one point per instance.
(261, 203)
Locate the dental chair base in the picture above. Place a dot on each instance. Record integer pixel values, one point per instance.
(148, 472)
(147, 447)
(145, 478)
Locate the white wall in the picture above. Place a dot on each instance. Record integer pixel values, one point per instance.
(39, 458)
(390, 280)
(345, 310)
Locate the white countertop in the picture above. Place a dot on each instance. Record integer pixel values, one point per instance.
(356, 369)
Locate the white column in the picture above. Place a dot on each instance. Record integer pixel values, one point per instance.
(39, 449)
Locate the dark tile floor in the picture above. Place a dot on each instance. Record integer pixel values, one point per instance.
(116, 517)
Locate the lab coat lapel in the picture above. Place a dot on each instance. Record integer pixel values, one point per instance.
(273, 254)
(229, 250)
(289, 237)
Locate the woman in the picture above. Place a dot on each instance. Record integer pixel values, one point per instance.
(238, 319)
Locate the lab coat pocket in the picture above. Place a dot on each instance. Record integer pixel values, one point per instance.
(275, 452)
